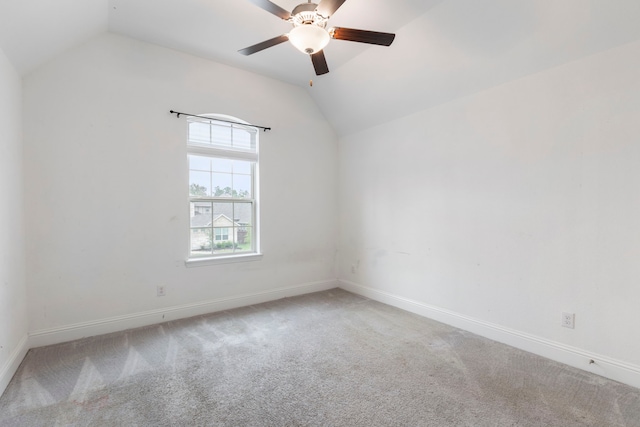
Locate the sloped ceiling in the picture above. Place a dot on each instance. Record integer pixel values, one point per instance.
(461, 47)
(444, 49)
(34, 31)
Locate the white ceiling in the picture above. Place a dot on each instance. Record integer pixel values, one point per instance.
(217, 29)
(444, 49)
(34, 31)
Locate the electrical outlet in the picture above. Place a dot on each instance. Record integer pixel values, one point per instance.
(161, 291)
(569, 320)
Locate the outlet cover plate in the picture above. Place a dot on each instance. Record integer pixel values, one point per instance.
(569, 320)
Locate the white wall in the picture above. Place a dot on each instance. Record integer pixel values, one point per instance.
(107, 183)
(13, 303)
(515, 204)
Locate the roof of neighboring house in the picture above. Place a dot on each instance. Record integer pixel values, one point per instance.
(204, 220)
(240, 213)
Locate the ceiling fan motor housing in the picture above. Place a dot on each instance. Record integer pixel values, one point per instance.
(305, 14)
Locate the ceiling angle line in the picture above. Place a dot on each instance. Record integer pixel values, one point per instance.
(178, 114)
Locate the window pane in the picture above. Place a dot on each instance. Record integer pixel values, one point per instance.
(242, 185)
(199, 183)
(221, 134)
(224, 240)
(232, 214)
(222, 165)
(201, 214)
(243, 214)
(199, 163)
(240, 166)
(199, 133)
(226, 247)
(242, 139)
(222, 184)
(201, 241)
(243, 239)
(223, 214)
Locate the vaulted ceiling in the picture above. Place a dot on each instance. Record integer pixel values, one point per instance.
(444, 49)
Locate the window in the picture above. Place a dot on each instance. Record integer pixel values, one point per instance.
(222, 234)
(223, 191)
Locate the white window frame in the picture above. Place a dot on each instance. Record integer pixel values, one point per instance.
(213, 151)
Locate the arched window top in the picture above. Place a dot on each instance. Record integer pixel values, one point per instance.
(224, 117)
(222, 132)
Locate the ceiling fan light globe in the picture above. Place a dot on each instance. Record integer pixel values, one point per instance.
(309, 38)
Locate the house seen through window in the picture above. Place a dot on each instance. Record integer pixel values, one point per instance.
(223, 196)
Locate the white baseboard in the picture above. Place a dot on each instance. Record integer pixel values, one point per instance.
(601, 365)
(15, 359)
(75, 331)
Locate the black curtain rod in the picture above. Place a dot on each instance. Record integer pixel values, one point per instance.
(178, 114)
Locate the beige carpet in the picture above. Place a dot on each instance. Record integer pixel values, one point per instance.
(325, 359)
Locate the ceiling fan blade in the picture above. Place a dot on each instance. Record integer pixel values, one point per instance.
(327, 8)
(319, 63)
(362, 36)
(272, 8)
(262, 46)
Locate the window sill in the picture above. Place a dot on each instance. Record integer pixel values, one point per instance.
(200, 262)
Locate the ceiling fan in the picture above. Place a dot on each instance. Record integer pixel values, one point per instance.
(310, 33)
